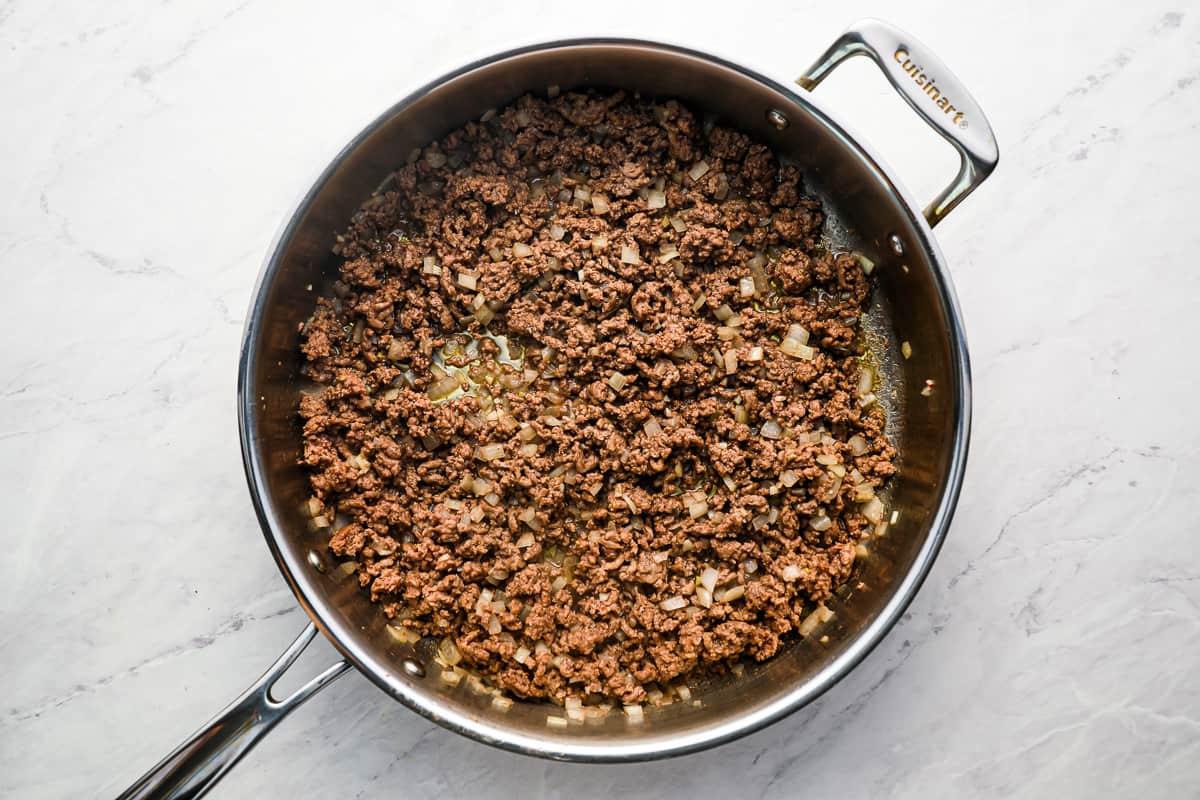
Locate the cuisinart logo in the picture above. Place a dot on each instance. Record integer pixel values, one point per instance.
(930, 86)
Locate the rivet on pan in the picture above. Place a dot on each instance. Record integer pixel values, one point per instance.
(414, 667)
(776, 118)
(315, 561)
(897, 245)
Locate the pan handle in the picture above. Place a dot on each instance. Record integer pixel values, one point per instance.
(197, 764)
(931, 89)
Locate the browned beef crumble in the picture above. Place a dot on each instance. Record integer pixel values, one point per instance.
(540, 521)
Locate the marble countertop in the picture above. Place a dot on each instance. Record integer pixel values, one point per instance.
(150, 151)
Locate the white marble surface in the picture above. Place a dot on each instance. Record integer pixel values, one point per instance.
(149, 153)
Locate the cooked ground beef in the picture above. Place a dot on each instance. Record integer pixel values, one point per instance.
(567, 422)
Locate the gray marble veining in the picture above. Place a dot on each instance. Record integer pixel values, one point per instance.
(150, 152)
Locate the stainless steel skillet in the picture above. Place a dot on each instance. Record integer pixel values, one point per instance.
(928, 395)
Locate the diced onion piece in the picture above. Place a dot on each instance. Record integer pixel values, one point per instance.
(873, 510)
(451, 677)
(809, 624)
(750, 566)
(634, 712)
(617, 381)
(652, 427)
(868, 266)
(826, 459)
(697, 510)
(789, 478)
(553, 721)
(698, 171)
(320, 521)
(489, 452)
(557, 232)
(797, 349)
(402, 634)
(599, 244)
(656, 199)
(502, 703)
(529, 517)
(552, 91)
(824, 613)
(723, 312)
(703, 597)
(600, 204)
(791, 572)
(435, 159)
(574, 708)
(522, 250)
(525, 540)
(667, 253)
(798, 333)
(863, 492)
(741, 415)
(442, 387)
(867, 400)
(583, 193)
(673, 603)
(730, 594)
(858, 445)
(448, 652)
(493, 625)
(746, 287)
(758, 273)
(430, 266)
(484, 314)
(481, 486)
(731, 361)
(895, 516)
(771, 430)
(754, 354)
(465, 280)
(821, 523)
(906, 349)
(629, 255)
(865, 378)
(699, 302)
(678, 224)
(558, 583)
(708, 578)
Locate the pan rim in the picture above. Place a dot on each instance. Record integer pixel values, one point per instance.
(641, 748)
